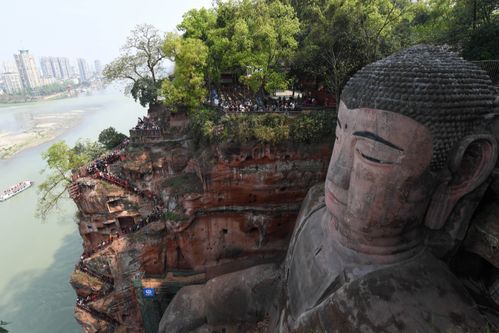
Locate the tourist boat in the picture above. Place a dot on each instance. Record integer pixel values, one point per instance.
(16, 189)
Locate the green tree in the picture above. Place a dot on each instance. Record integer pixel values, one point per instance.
(187, 86)
(141, 62)
(459, 23)
(202, 24)
(61, 162)
(259, 38)
(483, 42)
(198, 23)
(3, 330)
(341, 36)
(110, 138)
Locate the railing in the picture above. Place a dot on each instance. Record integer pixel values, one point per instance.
(83, 268)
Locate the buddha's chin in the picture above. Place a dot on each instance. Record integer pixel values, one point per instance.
(335, 207)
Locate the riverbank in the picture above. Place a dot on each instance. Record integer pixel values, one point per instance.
(39, 129)
(8, 100)
(38, 257)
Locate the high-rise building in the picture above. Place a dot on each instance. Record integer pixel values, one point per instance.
(47, 66)
(12, 82)
(8, 67)
(98, 67)
(65, 68)
(55, 67)
(26, 66)
(83, 69)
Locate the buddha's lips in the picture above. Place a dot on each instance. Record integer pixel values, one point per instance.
(331, 196)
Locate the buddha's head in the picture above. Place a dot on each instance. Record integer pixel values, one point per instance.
(409, 145)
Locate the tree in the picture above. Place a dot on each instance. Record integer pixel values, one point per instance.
(187, 86)
(456, 22)
(62, 161)
(202, 24)
(341, 36)
(483, 42)
(3, 323)
(110, 138)
(141, 62)
(260, 39)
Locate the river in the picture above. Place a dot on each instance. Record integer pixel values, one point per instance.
(37, 257)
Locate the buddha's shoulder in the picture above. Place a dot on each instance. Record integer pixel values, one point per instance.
(418, 295)
(313, 202)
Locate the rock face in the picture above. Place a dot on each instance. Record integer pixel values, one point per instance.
(165, 213)
(410, 165)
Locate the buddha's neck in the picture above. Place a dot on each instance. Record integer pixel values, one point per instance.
(381, 249)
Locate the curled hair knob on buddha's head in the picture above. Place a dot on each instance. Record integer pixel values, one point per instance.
(445, 93)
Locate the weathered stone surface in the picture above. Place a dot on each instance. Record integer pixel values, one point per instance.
(483, 236)
(89, 323)
(357, 260)
(225, 209)
(85, 284)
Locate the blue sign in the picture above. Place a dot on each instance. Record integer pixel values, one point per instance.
(148, 292)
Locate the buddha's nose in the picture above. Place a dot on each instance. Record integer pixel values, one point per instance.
(340, 166)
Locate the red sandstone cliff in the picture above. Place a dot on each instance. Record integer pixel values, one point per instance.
(175, 214)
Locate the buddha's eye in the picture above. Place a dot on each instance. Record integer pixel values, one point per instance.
(372, 159)
(377, 153)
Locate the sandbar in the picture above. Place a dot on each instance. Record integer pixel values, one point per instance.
(42, 128)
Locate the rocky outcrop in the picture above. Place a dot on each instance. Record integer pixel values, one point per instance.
(169, 213)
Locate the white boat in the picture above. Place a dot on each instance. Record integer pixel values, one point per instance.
(16, 189)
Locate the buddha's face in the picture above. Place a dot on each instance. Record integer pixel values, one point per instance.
(378, 184)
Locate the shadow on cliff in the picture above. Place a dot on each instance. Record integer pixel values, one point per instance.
(41, 301)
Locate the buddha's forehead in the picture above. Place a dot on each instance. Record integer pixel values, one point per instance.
(381, 121)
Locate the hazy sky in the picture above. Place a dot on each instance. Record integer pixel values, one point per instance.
(90, 29)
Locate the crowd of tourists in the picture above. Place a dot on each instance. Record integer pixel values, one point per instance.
(146, 123)
(82, 303)
(155, 215)
(84, 268)
(281, 104)
(14, 189)
(101, 163)
(239, 99)
(235, 98)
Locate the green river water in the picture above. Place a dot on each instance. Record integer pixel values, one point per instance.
(37, 258)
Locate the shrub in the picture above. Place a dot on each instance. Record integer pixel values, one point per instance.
(210, 125)
(110, 138)
(313, 127)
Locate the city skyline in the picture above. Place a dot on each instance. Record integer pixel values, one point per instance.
(86, 29)
(53, 66)
(28, 74)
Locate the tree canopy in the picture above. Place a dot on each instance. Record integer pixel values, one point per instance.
(110, 138)
(341, 36)
(3, 330)
(187, 86)
(61, 161)
(269, 45)
(251, 39)
(141, 62)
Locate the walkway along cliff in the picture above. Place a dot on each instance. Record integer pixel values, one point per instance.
(162, 212)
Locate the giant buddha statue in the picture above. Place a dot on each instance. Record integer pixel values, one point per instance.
(410, 146)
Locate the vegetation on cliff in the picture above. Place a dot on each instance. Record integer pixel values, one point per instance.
(3, 330)
(62, 160)
(210, 125)
(273, 45)
(110, 138)
(141, 62)
(269, 46)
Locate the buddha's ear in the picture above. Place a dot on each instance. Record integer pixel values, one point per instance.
(470, 163)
